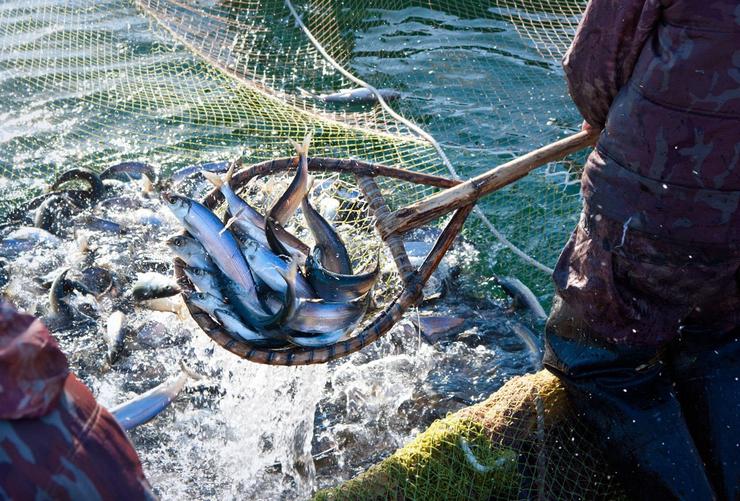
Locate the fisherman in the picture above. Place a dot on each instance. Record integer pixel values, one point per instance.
(644, 332)
(56, 442)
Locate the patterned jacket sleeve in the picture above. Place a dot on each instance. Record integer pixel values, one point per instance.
(604, 52)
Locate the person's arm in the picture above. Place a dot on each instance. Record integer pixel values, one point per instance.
(604, 52)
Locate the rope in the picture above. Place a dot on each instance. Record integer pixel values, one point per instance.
(419, 132)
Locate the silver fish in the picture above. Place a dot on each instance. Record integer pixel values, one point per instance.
(337, 287)
(259, 316)
(268, 339)
(26, 238)
(203, 280)
(332, 253)
(236, 204)
(522, 296)
(289, 201)
(129, 170)
(152, 286)
(97, 188)
(360, 95)
(57, 293)
(189, 250)
(278, 238)
(221, 246)
(321, 317)
(182, 174)
(268, 267)
(247, 220)
(54, 213)
(115, 334)
(145, 407)
(206, 302)
(98, 224)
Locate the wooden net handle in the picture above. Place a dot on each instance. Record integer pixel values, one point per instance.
(443, 202)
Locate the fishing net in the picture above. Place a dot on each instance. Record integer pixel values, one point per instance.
(176, 83)
(522, 443)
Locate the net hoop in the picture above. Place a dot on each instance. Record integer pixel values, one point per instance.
(413, 279)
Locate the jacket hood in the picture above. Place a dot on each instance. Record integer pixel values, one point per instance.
(32, 367)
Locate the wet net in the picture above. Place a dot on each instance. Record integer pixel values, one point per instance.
(174, 84)
(521, 443)
(178, 83)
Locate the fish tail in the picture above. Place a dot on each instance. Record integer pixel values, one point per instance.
(190, 372)
(213, 178)
(231, 221)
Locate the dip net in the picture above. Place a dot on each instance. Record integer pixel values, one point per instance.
(174, 84)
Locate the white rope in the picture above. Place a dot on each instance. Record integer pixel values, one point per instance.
(419, 132)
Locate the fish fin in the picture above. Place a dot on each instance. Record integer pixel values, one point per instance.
(307, 142)
(298, 147)
(231, 221)
(190, 372)
(213, 178)
(230, 173)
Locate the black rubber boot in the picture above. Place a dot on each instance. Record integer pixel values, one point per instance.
(706, 368)
(626, 395)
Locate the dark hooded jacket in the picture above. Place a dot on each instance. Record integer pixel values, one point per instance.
(56, 442)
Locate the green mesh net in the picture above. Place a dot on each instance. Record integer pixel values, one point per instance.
(177, 83)
(523, 442)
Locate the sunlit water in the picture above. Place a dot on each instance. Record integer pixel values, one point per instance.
(253, 431)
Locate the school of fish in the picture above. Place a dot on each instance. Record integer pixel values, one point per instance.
(261, 283)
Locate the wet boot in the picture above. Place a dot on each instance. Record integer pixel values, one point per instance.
(706, 368)
(626, 396)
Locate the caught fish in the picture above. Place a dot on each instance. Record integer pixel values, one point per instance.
(172, 304)
(189, 250)
(98, 224)
(206, 228)
(249, 221)
(126, 171)
(57, 293)
(337, 287)
(203, 280)
(522, 296)
(289, 201)
(277, 240)
(437, 327)
(268, 267)
(235, 326)
(97, 188)
(236, 204)
(53, 214)
(152, 286)
(206, 302)
(321, 317)
(360, 95)
(145, 407)
(258, 315)
(184, 173)
(330, 250)
(115, 334)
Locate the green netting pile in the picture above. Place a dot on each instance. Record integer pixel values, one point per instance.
(524, 442)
